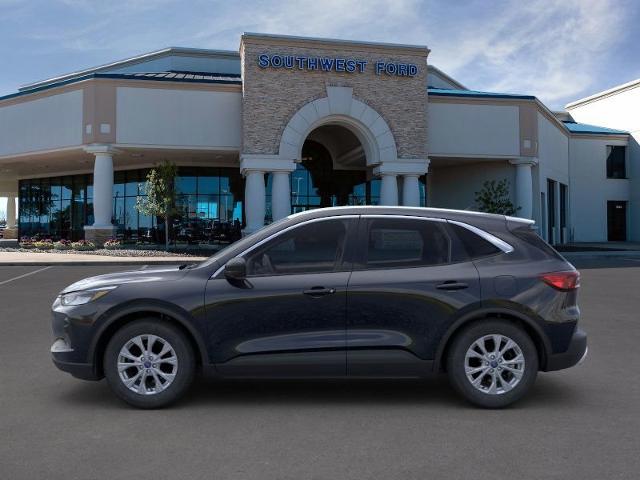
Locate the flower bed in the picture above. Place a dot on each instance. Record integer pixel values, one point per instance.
(83, 245)
(113, 244)
(62, 245)
(26, 242)
(43, 244)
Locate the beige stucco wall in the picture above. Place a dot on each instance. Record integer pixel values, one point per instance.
(49, 122)
(272, 96)
(178, 117)
(459, 129)
(455, 186)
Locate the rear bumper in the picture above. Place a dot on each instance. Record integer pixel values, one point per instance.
(576, 352)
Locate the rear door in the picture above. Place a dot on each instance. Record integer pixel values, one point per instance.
(410, 282)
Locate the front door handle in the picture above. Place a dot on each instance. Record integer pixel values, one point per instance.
(452, 285)
(319, 291)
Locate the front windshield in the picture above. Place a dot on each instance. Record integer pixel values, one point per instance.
(243, 243)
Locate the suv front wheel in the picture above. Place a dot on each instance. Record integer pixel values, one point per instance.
(149, 363)
(492, 363)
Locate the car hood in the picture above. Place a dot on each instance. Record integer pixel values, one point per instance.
(134, 276)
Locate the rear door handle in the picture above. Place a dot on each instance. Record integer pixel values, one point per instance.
(319, 291)
(452, 285)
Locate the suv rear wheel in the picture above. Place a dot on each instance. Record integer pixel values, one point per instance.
(149, 363)
(492, 363)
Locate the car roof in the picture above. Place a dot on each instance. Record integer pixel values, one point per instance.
(468, 216)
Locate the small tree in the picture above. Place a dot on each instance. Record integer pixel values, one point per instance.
(494, 198)
(160, 193)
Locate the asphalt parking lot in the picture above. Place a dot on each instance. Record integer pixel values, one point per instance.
(582, 423)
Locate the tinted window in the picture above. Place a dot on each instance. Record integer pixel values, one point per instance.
(397, 242)
(533, 239)
(311, 248)
(471, 245)
(616, 162)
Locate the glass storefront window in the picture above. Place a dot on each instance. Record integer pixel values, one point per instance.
(210, 207)
(187, 184)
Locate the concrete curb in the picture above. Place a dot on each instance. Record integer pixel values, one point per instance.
(614, 253)
(95, 264)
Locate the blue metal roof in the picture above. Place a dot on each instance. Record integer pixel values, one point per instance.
(176, 75)
(173, 76)
(444, 92)
(575, 127)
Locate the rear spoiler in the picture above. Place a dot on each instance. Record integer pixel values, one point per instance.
(517, 222)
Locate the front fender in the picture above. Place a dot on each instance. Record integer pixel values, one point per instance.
(151, 307)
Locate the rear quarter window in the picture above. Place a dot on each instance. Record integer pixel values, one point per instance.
(528, 235)
(469, 245)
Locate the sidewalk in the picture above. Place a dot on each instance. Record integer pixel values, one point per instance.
(603, 246)
(32, 258)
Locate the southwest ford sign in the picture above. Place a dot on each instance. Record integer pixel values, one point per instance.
(331, 64)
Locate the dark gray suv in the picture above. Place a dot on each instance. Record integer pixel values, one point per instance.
(337, 292)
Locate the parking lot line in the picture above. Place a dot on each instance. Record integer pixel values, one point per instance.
(25, 275)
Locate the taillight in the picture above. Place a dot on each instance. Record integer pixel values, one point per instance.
(564, 281)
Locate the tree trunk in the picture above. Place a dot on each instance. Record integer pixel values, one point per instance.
(166, 233)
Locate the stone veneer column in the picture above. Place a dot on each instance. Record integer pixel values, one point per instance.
(524, 186)
(102, 228)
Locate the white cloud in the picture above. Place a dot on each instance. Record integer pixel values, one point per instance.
(550, 49)
(553, 49)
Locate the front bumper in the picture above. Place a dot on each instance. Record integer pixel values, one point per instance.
(576, 352)
(63, 357)
(73, 331)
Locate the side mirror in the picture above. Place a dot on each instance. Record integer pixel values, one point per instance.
(236, 269)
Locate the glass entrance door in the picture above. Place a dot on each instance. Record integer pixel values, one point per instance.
(316, 184)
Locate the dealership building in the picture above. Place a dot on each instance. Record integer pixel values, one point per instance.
(290, 123)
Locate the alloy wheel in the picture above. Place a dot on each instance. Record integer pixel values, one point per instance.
(494, 364)
(147, 364)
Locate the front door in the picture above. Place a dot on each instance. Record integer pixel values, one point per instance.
(288, 318)
(617, 221)
(405, 291)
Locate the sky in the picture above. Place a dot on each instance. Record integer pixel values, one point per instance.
(558, 50)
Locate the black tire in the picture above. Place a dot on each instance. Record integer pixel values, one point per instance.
(183, 351)
(456, 363)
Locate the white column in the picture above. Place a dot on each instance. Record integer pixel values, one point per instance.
(557, 213)
(389, 189)
(11, 211)
(524, 186)
(254, 199)
(103, 189)
(280, 195)
(410, 190)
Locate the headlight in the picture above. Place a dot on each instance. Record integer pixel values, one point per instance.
(83, 296)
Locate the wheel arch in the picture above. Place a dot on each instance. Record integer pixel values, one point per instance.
(116, 319)
(530, 326)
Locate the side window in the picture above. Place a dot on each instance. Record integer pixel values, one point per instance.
(616, 161)
(312, 248)
(468, 245)
(397, 242)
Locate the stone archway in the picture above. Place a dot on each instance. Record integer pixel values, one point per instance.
(340, 108)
